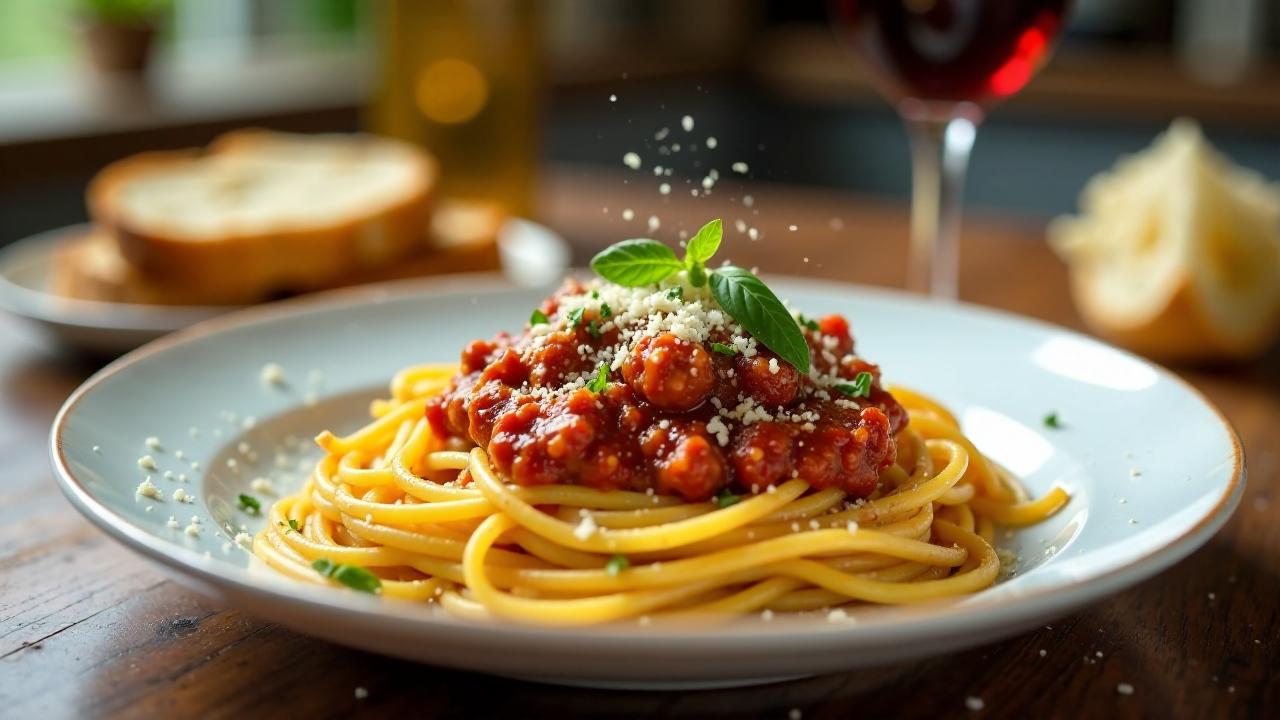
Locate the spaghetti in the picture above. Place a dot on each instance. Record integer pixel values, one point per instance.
(435, 523)
(673, 442)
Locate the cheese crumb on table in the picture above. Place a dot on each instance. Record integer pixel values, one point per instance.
(153, 442)
(183, 496)
(146, 462)
(244, 540)
(272, 374)
(172, 523)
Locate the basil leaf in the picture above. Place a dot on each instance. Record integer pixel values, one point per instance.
(860, 387)
(617, 564)
(249, 504)
(539, 318)
(749, 301)
(632, 263)
(356, 578)
(725, 498)
(601, 379)
(704, 244)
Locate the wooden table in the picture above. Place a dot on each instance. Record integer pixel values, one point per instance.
(88, 629)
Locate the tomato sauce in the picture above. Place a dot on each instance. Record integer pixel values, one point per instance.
(665, 421)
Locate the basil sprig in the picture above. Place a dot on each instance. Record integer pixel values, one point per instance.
(632, 263)
(860, 387)
(356, 578)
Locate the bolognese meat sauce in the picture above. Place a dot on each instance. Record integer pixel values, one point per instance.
(631, 389)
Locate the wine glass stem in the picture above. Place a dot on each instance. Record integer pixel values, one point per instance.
(940, 156)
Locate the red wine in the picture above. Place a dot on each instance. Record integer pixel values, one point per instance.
(953, 50)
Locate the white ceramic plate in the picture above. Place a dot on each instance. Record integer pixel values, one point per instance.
(531, 255)
(1153, 469)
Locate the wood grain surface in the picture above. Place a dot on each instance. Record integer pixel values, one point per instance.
(88, 629)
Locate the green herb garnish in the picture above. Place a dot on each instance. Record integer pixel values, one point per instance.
(249, 504)
(723, 349)
(595, 294)
(356, 578)
(605, 311)
(593, 329)
(574, 317)
(617, 564)
(675, 293)
(600, 380)
(749, 301)
(725, 498)
(860, 387)
(806, 322)
(539, 318)
(1051, 421)
(633, 263)
(293, 525)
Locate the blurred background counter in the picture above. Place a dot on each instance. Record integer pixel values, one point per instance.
(768, 79)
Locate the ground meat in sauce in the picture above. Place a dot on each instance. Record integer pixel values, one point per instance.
(655, 426)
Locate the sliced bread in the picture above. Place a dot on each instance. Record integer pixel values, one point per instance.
(259, 212)
(462, 238)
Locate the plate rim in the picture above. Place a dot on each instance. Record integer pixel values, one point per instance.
(43, 306)
(889, 625)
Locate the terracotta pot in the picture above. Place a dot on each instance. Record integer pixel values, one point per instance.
(118, 47)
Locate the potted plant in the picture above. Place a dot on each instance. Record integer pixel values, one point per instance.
(118, 34)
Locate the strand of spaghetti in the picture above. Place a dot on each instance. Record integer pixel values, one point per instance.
(1021, 514)
(981, 472)
(577, 611)
(434, 546)
(627, 539)
(371, 433)
(915, 526)
(351, 470)
(746, 600)
(727, 562)
(982, 576)
(914, 401)
(808, 506)
(644, 517)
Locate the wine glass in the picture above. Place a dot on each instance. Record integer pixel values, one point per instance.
(944, 63)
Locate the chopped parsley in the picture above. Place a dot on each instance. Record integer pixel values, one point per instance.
(600, 380)
(249, 504)
(725, 498)
(605, 311)
(539, 318)
(1051, 421)
(574, 317)
(593, 329)
(808, 323)
(356, 578)
(617, 564)
(860, 387)
(723, 349)
(293, 525)
(675, 293)
(595, 294)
